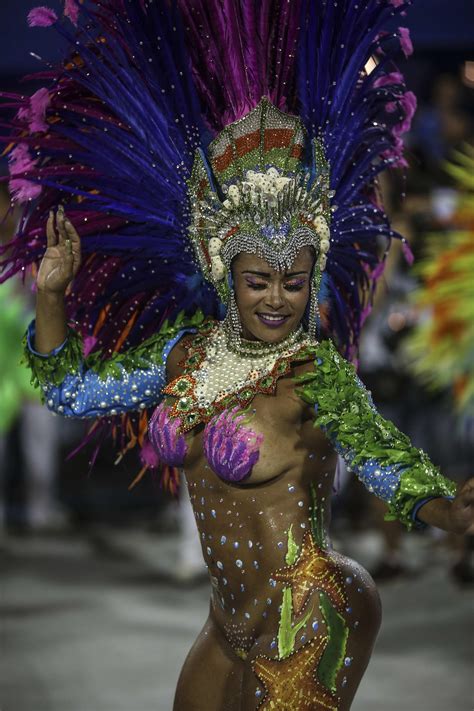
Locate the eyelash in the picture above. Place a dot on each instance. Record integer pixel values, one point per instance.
(288, 287)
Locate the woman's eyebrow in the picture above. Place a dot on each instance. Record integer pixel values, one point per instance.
(267, 275)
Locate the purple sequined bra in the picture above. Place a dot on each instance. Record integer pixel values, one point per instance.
(230, 446)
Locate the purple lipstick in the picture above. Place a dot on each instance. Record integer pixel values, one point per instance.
(272, 320)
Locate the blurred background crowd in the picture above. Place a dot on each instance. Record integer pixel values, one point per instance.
(47, 495)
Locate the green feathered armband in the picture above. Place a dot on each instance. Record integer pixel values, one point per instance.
(51, 369)
(382, 457)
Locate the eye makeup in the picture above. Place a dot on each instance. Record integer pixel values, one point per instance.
(294, 284)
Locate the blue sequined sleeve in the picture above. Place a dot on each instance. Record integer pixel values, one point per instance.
(373, 448)
(74, 386)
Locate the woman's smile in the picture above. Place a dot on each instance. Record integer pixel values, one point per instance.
(271, 303)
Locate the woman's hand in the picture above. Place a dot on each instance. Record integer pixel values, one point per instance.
(461, 511)
(62, 258)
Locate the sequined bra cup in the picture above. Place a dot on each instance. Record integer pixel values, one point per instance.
(216, 386)
(231, 448)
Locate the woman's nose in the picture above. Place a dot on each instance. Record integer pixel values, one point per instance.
(275, 296)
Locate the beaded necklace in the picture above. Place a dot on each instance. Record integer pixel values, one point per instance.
(219, 373)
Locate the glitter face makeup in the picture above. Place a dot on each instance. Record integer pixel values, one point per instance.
(271, 304)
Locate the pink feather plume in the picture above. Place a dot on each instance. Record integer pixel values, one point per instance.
(42, 17)
(39, 102)
(71, 10)
(21, 162)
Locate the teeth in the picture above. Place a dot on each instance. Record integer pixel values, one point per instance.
(273, 318)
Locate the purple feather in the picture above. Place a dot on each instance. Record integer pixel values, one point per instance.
(39, 103)
(71, 10)
(42, 17)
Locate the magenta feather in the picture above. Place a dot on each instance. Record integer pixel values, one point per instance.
(42, 17)
(71, 10)
(21, 164)
(39, 103)
(405, 41)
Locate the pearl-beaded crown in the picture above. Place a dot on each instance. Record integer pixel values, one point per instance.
(252, 193)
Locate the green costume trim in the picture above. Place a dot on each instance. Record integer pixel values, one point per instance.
(335, 651)
(69, 360)
(293, 550)
(55, 367)
(345, 412)
(287, 631)
(317, 521)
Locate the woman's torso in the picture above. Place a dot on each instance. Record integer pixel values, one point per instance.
(266, 546)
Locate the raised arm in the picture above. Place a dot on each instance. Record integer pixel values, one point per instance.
(59, 266)
(382, 457)
(71, 384)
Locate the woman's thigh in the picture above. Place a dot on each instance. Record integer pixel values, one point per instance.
(212, 675)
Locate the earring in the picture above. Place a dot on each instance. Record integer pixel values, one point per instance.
(314, 316)
(232, 324)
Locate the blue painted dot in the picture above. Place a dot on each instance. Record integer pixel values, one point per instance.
(349, 580)
(220, 565)
(258, 693)
(272, 583)
(347, 661)
(273, 644)
(236, 544)
(315, 625)
(223, 540)
(238, 563)
(213, 513)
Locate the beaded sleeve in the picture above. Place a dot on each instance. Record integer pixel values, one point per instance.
(382, 457)
(76, 386)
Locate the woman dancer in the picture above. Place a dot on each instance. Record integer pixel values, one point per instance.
(252, 405)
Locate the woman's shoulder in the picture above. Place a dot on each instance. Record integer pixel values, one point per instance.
(181, 348)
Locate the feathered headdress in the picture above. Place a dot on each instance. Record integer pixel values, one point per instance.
(145, 112)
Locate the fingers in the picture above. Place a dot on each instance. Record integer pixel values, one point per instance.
(72, 232)
(75, 241)
(51, 236)
(60, 219)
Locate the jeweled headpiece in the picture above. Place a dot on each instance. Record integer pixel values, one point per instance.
(253, 193)
(121, 134)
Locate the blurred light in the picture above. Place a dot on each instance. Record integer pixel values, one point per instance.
(468, 74)
(396, 321)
